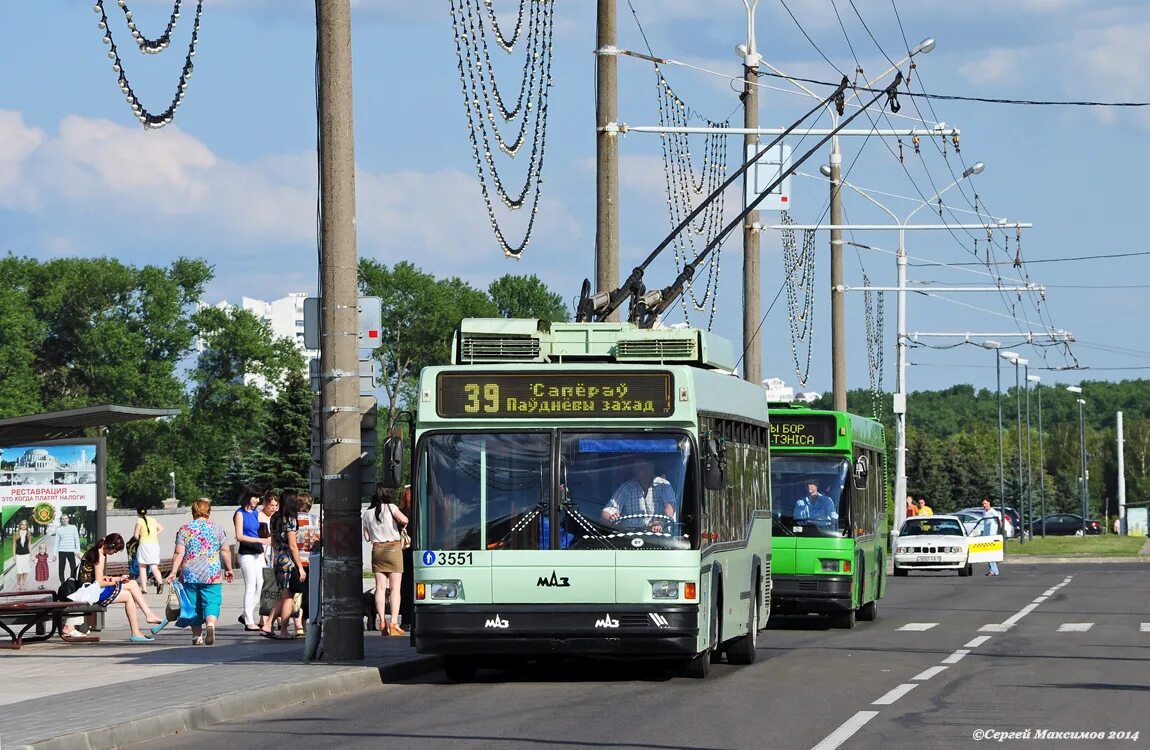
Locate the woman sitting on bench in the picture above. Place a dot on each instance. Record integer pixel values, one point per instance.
(121, 590)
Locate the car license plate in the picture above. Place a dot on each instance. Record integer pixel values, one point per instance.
(930, 559)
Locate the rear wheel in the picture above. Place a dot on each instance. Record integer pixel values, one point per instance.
(965, 570)
(900, 572)
(744, 649)
(459, 668)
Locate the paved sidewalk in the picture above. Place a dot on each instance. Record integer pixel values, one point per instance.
(58, 696)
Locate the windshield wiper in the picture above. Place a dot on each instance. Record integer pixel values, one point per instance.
(589, 526)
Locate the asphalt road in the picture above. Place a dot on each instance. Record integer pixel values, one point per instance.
(950, 661)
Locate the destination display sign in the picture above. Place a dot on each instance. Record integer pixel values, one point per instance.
(563, 395)
(803, 430)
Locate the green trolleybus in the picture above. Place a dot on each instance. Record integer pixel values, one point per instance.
(828, 471)
(589, 489)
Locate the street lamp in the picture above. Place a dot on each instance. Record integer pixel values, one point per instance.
(1023, 490)
(899, 401)
(172, 478)
(1082, 452)
(1013, 358)
(1041, 456)
(994, 345)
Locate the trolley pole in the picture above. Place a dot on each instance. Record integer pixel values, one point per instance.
(342, 579)
(606, 151)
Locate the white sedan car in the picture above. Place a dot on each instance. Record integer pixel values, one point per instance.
(944, 542)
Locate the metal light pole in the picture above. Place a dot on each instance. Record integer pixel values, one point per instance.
(1041, 458)
(1018, 429)
(995, 346)
(1028, 517)
(1081, 452)
(172, 477)
(899, 405)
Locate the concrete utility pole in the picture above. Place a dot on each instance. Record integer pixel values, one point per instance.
(606, 152)
(752, 283)
(838, 309)
(342, 563)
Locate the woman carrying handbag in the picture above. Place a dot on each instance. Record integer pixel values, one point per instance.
(384, 525)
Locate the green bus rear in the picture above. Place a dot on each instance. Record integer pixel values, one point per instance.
(521, 450)
(832, 562)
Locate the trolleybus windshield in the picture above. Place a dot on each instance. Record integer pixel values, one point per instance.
(495, 490)
(809, 495)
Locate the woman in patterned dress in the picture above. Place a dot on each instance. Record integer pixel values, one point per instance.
(200, 545)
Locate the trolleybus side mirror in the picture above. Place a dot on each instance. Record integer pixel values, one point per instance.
(392, 462)
(714, 464)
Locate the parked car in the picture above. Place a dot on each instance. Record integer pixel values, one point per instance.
(1011, 515)
(943, 542)
(1064, 524)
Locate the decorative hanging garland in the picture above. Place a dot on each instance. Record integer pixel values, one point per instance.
(799, 275)
(486, 107)
(150, 46)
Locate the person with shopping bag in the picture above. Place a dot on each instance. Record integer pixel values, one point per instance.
(200, 548)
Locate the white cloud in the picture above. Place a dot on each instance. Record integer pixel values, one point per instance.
(17, 142)
(992, 66)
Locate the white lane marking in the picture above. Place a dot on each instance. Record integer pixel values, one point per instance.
(1041, 599)
(1145, 628)
(1049, 592)
(994, 628)
(894, 694)
(926, 674)
(977, 641)
(1075, 627)
(845, 730)
(918, 626)
(1014, 618)
(956, 656)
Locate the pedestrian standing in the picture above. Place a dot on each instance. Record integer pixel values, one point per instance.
(148, 531)
(246, 521)
(200, 545)
(911, 508)
(307, 537)
(290, 574)
(923, 508)
(269, 592)
(67, 547)
(381, 522)
(990, 512)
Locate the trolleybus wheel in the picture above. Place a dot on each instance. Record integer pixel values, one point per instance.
(699, 666)
(459, 668)
(869, 611)
(744, 648)
(844, 620)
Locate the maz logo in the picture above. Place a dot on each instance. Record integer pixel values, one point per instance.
(497, 623)
(554, 580)
(658, 620)
(607, 622)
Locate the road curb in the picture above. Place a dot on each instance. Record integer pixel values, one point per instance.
(236, 705)
(1017, 559)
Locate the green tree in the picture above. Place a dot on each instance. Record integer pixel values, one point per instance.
(21, 338)
(420, 314)
(283, 455)
(527, 297)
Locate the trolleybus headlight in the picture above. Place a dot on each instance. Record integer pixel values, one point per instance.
(830, 566)
(445, 589)
(665, 589)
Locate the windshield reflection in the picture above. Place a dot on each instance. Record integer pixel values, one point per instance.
(809, 498)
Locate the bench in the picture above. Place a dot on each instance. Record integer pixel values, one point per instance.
(117, 569)
(26, 610)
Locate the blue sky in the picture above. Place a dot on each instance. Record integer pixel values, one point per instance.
(233, 180)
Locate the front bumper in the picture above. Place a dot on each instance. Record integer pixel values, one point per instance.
(612, 630)
(801, 594)
(949, 561)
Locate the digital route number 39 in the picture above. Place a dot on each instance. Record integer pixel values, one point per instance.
(489, 401)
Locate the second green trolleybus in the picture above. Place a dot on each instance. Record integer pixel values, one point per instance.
(828, 472)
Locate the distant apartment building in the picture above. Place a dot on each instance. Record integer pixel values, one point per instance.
(778, 390)
(285, 318)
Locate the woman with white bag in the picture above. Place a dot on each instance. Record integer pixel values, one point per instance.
(97, 588)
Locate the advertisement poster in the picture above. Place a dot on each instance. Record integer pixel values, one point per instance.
(47, 512)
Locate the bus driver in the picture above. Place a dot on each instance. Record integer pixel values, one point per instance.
(634, 502)
(815, 506)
